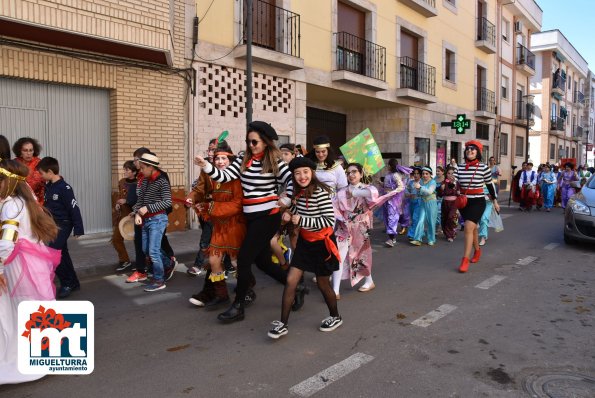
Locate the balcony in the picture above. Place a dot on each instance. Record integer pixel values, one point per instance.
(558, 84)
(360, 62)
(275, 36)
(427, 8)
(417, 81)
(486, 104)
(577, 133)
(486, 36)
(579, 99)
(525, 60)
(558, 125)
(522, 108)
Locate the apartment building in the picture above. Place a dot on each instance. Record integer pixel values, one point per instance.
(92, 81)
(516, 66)
(559, 85)
(405, 69)
(588, 133)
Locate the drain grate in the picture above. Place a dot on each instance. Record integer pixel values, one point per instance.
(560, 385)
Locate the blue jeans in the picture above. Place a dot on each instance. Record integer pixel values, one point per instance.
(153, 229)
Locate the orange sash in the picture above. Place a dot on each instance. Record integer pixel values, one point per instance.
(323, 234)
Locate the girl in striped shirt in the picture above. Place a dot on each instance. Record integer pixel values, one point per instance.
(473, 176)
(260, 170)
(316, 250)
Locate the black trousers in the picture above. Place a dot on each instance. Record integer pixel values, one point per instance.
(257, 248)
(65, 271)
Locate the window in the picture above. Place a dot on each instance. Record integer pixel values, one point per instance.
(449, 65)
(505, 29)
(573, 153)
(482, 131)
(519, 147)
(485, 154)
(505, 83)
(553, 151)
(422, 152)
(504, 144)
(567, 152)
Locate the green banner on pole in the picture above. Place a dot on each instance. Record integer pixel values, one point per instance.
(363, 149)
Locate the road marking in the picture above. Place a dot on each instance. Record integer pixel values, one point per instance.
(505, 216)
(323, 379)
(488, 283)
(433, 316)
(526, 261)
(551, 246)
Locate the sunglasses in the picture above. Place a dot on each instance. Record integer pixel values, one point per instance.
(252, 142)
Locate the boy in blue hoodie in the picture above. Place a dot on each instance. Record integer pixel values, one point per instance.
(60, 201)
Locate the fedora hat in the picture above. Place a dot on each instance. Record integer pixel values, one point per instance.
(126, 227)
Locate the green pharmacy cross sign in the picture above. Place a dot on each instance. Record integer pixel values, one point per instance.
(461, 123)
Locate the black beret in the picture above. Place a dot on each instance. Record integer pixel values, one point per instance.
(263, 128)
(298, 162)
(321, 140)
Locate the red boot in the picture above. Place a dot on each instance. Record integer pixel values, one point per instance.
(476, 256)
(464, 267)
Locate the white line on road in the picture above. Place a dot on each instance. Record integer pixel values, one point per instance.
(488, 283)
(323, 379)
(505, 216)
(433, 316)
(526, 261)
(551, 246)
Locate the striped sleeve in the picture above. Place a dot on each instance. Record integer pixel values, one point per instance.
(316, 212)
(284, 177)
(163, 202)
(232, 172)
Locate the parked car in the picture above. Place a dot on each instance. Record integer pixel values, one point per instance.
(579, 216)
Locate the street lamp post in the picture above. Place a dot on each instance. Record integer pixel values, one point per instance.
(529, 110)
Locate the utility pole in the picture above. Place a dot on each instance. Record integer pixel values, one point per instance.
(249, 62)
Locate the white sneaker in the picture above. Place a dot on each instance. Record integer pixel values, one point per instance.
(482, 242)
(389, 243)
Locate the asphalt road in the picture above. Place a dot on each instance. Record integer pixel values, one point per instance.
(528, 327)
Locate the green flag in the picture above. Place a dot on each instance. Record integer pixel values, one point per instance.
(363, 149)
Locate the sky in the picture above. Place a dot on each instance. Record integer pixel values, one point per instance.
(575, 19)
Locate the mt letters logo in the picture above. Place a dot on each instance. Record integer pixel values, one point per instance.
(56, 337)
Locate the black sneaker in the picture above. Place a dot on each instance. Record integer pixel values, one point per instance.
(279, 329)
(330, 323)
(168, 273)
(124, 266)
(155, 286)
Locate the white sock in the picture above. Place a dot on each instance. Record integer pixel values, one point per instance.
(337, 278)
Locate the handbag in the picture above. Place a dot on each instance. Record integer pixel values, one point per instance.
(461, 200)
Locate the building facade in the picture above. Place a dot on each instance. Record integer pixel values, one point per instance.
(516, 66)
(559, 85)
(401, 68)
(94, 81)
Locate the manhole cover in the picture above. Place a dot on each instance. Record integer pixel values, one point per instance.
(560, 385)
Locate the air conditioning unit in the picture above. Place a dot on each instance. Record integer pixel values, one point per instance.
(518, 27)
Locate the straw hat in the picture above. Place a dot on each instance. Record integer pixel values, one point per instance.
(126, 227)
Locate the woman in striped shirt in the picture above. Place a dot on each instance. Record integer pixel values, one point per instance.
(260, 170)
(316, 249)
(473, 176)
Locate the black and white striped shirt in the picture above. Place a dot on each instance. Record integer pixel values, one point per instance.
(260, 189)
(483, 176)
(155, 193)
(316, 212)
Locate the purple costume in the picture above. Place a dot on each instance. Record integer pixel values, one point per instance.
(566, 177)
(396, 210)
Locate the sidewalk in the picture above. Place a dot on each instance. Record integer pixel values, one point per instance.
(94, 255)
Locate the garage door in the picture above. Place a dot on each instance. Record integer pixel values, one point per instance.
(72, 125)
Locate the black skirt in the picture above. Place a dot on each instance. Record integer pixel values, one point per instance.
(310, 257)
(474, 209)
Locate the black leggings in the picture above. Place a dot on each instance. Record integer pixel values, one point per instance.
(257, 248)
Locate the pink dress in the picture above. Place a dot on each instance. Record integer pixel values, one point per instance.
(28, 268)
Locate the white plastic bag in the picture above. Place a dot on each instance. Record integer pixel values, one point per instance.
(495, 221)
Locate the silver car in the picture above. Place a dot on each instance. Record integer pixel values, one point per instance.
(579, 217)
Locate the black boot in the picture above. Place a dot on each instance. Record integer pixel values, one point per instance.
(221, 296)
(300, 292)
(233, 313)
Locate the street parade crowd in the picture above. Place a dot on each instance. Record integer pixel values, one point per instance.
(286, 210)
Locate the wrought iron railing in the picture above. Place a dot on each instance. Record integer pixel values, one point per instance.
(579, 98)
(524, 56)
(361, 56)
(577, 132)
(431, 3)
(273, 27)
(486, 100)
(524, 109)
(486, 31)
(557, 123)
(558, 81)
(417, 75)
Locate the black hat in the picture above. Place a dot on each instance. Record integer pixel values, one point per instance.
(322, 141)
(298, 162)
(263, 128)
